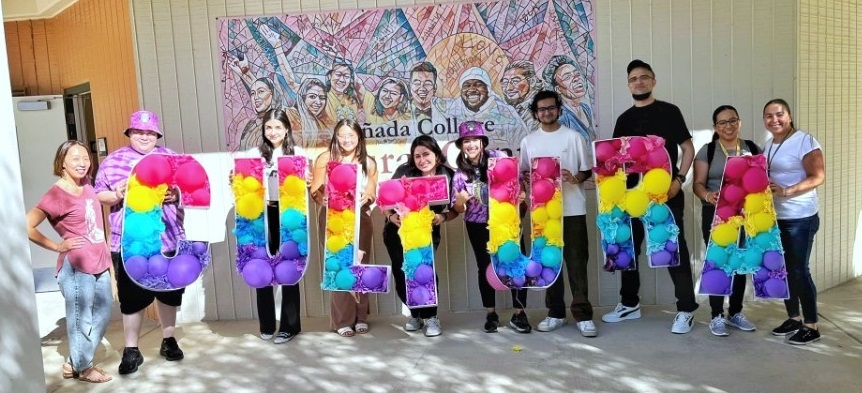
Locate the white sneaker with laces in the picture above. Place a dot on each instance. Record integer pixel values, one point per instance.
(622, 313)
(718, 326)
(682, 323)
(550, 324)
(413, 324)
(740, 322)
(587, 328)
(432, 327)
(265, 337)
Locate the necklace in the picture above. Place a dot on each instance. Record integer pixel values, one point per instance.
(770, 156)
(738, 148)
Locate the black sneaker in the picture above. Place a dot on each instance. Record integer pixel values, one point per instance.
(520, 323)
(171, 350)
(789, 326)
(805, 335)
(491, 322)
(132, 358)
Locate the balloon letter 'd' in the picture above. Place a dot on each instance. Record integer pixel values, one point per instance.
(615, 158)
(342, 270)
(253, 261)
(410, 197)
(509, 268)
(745, 200)
(143, 227)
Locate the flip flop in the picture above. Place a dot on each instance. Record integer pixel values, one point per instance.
(68, 372)
(361, 328)
(87, 375)
(346, 331)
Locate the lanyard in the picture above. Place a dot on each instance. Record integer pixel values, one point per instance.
(738, 148)
(770, 156)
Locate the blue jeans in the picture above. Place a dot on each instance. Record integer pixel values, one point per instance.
(797, 237)
(88, 312)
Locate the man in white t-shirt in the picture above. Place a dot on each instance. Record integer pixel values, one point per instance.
(552, 139)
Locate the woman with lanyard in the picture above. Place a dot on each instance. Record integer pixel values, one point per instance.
(708, 170)
(470, 196)
(796, 169)
(426, 159)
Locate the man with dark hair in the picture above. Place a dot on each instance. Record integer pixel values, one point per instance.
(423, 87)
(520, 84)
(649, 116)
(552, 139)
(565, 76)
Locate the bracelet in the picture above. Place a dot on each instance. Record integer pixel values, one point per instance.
(681, 178)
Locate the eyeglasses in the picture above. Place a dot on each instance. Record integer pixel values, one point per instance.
(642, 78)
(391, 93)
(725, 123)
(516, 80)
(547, 109)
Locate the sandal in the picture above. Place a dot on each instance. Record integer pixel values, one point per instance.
(68, 372)
(346, 331)
(361, 328)
(87, 375)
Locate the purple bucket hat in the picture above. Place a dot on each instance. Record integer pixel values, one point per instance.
(144, 121)
(471, 129)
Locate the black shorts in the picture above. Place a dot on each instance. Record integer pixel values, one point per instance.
(133, 297)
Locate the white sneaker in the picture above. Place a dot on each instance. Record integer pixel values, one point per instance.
(621, 313)
(587, 328)
(718, 326)
(550, 324)
(682, 322)
(432, 327)
(413, 324)
(265, 337)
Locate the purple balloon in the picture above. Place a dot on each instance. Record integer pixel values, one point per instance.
(773, 260)
(549, 275)
(612, 249)
(715, 282)
(541, 282)
(419, 296)
(183, 270)
(286, 273)
(157, 266)
(501, 272)
(423, 274)
(661, 258)
(671, 247)
(290, 250)
(136, 267)
(259, 253)
(257, 273)
(534, 269)
(623, 261)
(373, 277)
(761, 275)
(519, 281)
(199, 248)
(776, 288)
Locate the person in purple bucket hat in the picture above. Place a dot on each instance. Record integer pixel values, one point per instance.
(470, 197)
(111, 184)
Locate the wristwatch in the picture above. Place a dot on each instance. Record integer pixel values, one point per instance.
(681, 178)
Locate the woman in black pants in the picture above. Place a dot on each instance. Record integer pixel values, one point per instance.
(426, 159)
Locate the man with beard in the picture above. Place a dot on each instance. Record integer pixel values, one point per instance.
(423, 87)
(520, 84)
(479, 103)
(649, 116)
(565, 76)
(552, 139)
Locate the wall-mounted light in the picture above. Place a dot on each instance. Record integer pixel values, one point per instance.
(34, 105)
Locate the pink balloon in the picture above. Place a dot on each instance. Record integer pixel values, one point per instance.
(732, 193)
(604, 151)
(725, 212)
(495, 282)
(505, 170)
(419, 187)
(543, 191)
(637, 149)
(243, 167)
(153, 170)
(190, 176)
(391, 192)
(546, 167)
(412, 203)
(343, 177)
(200, 197)
(755, 180)
(658, 159)
(735, 168)
(500, 194)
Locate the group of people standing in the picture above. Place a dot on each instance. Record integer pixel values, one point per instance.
(73, 207)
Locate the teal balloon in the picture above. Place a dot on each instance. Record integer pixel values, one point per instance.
(540, 242)
(332, 264)
(734, 262)
(508, 252)
(764, 240)
(413, 258)
(299, 236)
(345, 279)
(616, 212)
(752, 257)
(624, 233)
(659, 234)
(552, 256)
(659, 213)
(293, 219)
(717, 255)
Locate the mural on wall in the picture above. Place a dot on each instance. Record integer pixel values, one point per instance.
(404, 72)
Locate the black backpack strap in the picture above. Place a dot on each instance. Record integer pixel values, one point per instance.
(710, 153)
(752, 147)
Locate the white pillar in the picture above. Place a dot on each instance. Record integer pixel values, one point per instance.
(21, 367)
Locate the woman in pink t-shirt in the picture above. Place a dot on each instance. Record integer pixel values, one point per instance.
(71, 206)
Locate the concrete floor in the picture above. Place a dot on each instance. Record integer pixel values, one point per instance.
(632, 356)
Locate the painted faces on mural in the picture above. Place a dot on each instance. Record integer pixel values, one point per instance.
(474, 93)
(76, 164)
(425, 160)
(641, 82)
(423, 87)
(261, 96)
(547, 111)
(341, 78)
(348, 140)
(515, 86)
(315, 100)
(275, 130)
(143, 141)
(390, 95)
(570, 82)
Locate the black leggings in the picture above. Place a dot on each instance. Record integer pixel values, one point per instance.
(478, 234)
(289, 293)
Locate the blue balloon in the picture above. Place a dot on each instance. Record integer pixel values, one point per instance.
(412, 258)
(616, 212)
(299, 235)
(293, 219)
(332, 264)
(717, 255)
(508, 252)
(540, 242)
(659, 234)
(624, 233)
(552, 256)
(345, 279)
(658, 213)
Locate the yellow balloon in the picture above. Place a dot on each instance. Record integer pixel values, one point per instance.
(335, 243)
(141, 199)
(725, 234)
(762, 221)
(754, 203)
(335, 223)
(293, 185)
(636, 203)
(657, 181)
(496, 240)
(555, 209)
(503, 213)
(419, 239)
(612, 189)
(251, 184)
(553, 231)
(250, 206)
(349, 218)
(539, 215)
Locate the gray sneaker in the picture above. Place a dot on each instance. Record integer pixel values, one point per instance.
(432, 327)
(550, 324)
(587, 328)
(718, 326)
(740, 322)
(413, 324)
